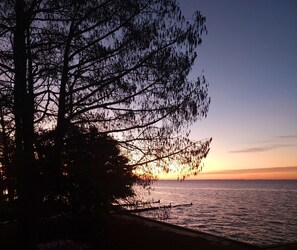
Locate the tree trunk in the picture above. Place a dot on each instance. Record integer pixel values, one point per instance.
(62, 122)
(25, 163)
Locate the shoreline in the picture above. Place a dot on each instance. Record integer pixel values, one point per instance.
(168, 236)
(133, 232)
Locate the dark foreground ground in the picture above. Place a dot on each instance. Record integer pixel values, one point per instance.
(132, 232)
(128, 232)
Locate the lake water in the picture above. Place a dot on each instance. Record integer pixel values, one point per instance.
(257, 212)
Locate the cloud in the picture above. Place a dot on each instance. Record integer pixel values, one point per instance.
(256, 170)
(262, 149)
(285, 137)
(252, 150)
(281, 141)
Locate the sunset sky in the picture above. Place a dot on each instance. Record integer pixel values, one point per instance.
(249, 58)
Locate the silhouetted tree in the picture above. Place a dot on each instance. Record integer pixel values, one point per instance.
(120, 66)
(94, 172)
(94, 175)
(6, 149)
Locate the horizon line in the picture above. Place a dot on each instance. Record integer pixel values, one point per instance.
(270, 173)
(253, 170)
(192, 179)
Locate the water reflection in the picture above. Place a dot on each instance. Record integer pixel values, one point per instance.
(258, 212)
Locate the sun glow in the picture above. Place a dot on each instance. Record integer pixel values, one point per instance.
(282, 173)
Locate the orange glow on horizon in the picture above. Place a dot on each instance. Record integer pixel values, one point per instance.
(281, 173)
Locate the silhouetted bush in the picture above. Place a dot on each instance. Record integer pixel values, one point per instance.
(94, 172)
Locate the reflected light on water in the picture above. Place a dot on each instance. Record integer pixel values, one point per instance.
(257, 212)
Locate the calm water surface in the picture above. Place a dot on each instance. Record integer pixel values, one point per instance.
(257, 212)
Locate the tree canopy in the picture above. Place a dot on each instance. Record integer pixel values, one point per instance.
(121, 66)
(118, 66)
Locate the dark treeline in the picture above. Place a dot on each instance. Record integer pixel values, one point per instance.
(93, 92)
